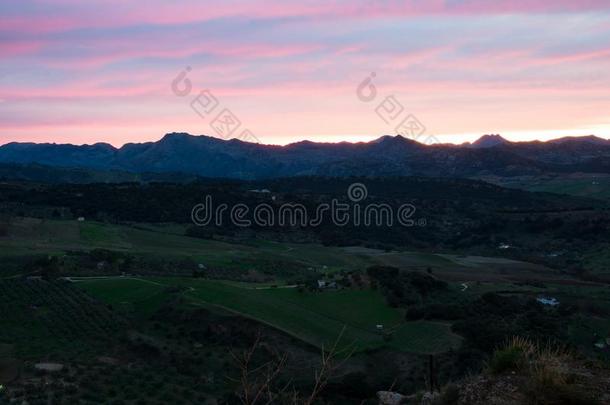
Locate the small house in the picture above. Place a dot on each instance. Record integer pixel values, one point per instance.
(323, 284)
(548, 301)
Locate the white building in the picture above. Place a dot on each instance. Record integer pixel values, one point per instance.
(548, 301)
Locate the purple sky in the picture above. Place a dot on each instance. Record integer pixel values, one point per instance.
(83, 71)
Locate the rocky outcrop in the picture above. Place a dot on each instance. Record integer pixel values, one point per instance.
(391, 398)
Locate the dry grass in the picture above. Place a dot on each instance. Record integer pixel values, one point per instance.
(516, 355)
(547, 367)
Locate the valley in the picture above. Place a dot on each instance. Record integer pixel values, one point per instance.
(98, 278)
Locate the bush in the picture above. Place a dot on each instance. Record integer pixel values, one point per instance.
(514, 356)
(549, 384)
(507, 359)
(548, 381)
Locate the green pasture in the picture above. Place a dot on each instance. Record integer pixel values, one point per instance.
(30, 236)
(317, 318)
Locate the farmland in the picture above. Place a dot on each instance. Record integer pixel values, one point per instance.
(138, 296)
(313, 317)
(260, 260)
(316, 318)
(42, 317)
(166, 306)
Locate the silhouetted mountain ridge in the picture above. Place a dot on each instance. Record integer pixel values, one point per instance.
(388, 155)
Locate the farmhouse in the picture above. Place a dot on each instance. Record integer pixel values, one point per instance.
(322, 284)
(548, 301)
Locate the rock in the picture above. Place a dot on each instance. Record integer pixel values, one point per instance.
(430, 398)
(391, 398)
(51, 367)
(108, 360)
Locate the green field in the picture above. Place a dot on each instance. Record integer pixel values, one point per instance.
(316, 318)
(29, 236)
(138, 295)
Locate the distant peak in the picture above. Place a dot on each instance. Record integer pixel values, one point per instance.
(393, 139)
(175, 135)
(103, 145)
(489, 141)
(382, 138)
(186, 137)
(588, 138)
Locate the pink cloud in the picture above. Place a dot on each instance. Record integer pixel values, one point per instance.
(124, 13)
(17, 48)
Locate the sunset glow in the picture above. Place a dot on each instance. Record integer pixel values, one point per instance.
(102, 71)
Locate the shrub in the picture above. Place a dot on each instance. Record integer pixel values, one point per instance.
(507, 359)
(550, 383)
(514, 356)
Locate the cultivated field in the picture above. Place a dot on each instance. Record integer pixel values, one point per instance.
(317, 318)
(40, 317)
(29, 236)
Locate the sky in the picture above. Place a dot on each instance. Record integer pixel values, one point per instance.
(280, 71)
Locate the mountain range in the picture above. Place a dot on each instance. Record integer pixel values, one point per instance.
(389, 155)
